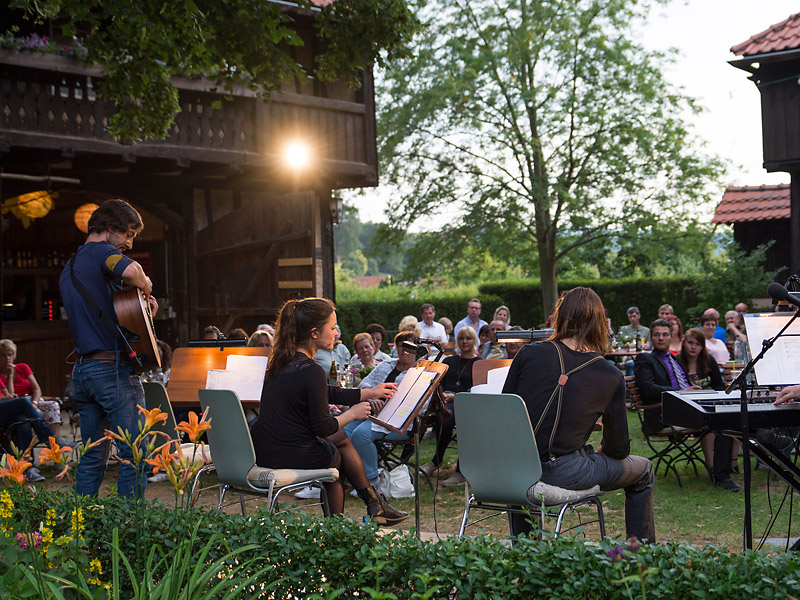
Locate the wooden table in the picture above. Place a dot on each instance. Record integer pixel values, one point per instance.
(190, 367)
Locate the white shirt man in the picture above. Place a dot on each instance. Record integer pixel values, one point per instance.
(430, 328)
(473, 318)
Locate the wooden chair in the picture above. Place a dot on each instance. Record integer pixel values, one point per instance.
(504, 471)
(481, 368)
(671, 445)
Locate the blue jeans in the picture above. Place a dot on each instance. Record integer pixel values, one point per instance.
(106, 396)
(16, 411)
(363, 438)
(584, 469)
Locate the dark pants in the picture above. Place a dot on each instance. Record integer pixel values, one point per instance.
(722, 456)
(19, 410)
(585, 469)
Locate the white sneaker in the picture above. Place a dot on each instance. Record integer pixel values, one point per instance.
(32, 475)
(157, 478)
(307, 492)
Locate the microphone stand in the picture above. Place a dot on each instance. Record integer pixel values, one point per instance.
(741, 383)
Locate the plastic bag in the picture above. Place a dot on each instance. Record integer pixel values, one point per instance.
(396, 483)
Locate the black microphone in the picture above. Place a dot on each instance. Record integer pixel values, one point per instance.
(777, 291)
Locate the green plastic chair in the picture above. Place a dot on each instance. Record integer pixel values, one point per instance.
(235, 458)
(155, 396)
(498, 456)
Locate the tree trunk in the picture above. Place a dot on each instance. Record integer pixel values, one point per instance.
(548, 272)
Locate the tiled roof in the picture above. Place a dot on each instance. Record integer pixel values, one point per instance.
(754, 203)
(781, 36)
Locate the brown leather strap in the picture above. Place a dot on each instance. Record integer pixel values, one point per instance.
(108, 355)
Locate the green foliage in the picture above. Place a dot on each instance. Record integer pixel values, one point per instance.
(298, 555)
(141, 45)
(543, 122)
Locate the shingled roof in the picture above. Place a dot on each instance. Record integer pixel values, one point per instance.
(776, 38)
(754, 203)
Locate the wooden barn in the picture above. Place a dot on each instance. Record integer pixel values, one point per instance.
(231, 230)
(772, 58)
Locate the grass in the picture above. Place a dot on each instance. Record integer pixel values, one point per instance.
(699, 512)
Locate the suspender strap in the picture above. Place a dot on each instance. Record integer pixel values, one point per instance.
(559, 392)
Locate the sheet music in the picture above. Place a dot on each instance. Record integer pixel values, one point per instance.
(495, 380)
(409, 392)
(243, 374)
(781, 363)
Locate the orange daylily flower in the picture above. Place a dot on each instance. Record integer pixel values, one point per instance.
(194, 427)
(163, 460)
(54, 452)
(152, 417)
(16, 469)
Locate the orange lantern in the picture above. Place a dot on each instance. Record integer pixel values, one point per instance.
(82, 215)
(35, 205)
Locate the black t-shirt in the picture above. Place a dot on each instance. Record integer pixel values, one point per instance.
(459, 374)
(594, 391)
(294, 417)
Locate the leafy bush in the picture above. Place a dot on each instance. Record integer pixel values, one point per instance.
(299, 555)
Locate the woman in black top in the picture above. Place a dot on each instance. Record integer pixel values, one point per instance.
(295, 429)
(457, 379)
(567, 385)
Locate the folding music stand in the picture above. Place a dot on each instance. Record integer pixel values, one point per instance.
(402, 410)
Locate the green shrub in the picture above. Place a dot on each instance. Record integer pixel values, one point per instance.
(300, 555)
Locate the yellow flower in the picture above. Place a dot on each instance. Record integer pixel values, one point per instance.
(194, 427)
(95, 567)
(6, 505)
(50, 518)
(77, 523)
(152, 417)
(16, 469)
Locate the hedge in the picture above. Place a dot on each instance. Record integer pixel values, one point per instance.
(303, 556)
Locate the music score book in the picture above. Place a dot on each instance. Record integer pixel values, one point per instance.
(412, 393)
(242, 374)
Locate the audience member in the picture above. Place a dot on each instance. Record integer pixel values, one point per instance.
(719, 332)
(502, 313)
(484, 339)
(473, 318)
(448, 328)
(262, 338)
(266, 327)
(733, 332)
(339, 355)
(495, 349)
(160, 375)
(635, 330)
(457, 379)
(237, 334)
(594, 389)
(430, 328)
(295, 429)
(211, 332)
(664, 311)
(702, 371)
(378, 333)
(364, 351)
(716, 348)
(657, 372)
(17, 380)
(676, 341)
(407, 323)
(512, 348)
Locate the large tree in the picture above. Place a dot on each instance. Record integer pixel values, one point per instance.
(142, 44)
(542, 122)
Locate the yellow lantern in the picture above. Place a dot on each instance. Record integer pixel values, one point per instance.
(82, 215)
(30, 206)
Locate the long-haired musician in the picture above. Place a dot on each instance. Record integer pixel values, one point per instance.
(592, 387)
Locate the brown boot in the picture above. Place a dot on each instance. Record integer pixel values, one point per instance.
(378, 509)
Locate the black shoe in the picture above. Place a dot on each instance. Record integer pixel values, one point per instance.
(735, 470)
(378, 509)
(728, 484)
(770, 438)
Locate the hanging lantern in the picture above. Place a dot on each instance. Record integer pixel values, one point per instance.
(30, 206)
(82, 215)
